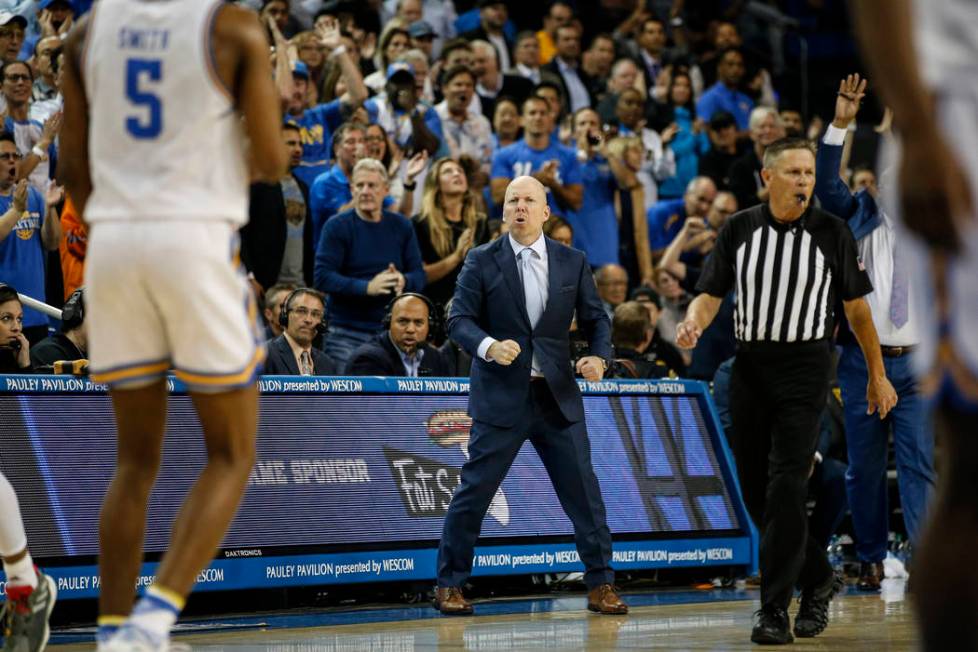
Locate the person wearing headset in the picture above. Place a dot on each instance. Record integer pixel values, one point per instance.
(14, 349)
(402, 348)
(68, 345)
(292, 353)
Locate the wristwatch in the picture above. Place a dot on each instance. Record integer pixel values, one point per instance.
(39, 153)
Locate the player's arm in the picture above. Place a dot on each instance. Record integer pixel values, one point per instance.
(73, 165)
(240, 31)
(934, 189)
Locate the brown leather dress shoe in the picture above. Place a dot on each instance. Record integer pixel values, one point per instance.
(450, 601)
(604, 599)
(870, 576)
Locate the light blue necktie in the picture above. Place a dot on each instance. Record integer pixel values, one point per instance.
(900, 291)
(531, 286)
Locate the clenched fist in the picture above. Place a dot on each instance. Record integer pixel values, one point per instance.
(591, 368)
(503, 352)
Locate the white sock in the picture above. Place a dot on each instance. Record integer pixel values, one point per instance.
(21, 573)
(157, 611)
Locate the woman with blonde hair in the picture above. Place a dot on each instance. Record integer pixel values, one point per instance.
(449, 224)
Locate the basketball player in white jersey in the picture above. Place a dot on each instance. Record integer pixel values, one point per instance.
(155, 156)
(924, 56)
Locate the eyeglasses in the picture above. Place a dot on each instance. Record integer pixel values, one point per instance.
(303, 312)
(10, 156)
(17, 78)
(8, 319)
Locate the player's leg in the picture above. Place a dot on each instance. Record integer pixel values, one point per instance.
(140, 415)
(30, 593)
(945, 575)
(209, 316)
(230, 422)
(129, 352)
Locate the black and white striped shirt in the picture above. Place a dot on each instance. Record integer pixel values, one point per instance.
(787, 277)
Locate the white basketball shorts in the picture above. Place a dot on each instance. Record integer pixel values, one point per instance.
(170, 295)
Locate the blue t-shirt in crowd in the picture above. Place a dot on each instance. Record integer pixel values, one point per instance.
(397, 124)
(22, 253)
(351, 252)
(687, 146)
(596, 225)
(316, 127)
(519, 159)
(328, 192)
(720, 98)
(665, 219)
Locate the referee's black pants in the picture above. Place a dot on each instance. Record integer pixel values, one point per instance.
(777, 394)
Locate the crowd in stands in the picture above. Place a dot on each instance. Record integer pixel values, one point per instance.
(405, 120)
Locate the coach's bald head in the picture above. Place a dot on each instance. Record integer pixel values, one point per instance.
(525, 209)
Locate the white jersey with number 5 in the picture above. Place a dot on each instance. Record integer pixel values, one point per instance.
(165, 142)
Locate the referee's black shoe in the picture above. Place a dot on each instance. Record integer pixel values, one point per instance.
(813, 613)
(772, 627)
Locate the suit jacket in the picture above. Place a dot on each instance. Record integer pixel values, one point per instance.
(554, 69)
(263, 237)
(489, 302)
(515, 86)
(859, 210)
(281, 360)
(379, 357)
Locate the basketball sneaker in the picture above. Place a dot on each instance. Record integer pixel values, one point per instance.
(25, 615)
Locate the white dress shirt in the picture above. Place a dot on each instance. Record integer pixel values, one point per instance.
(876, 253)
(577, 94)
(533, 74)
(543, 272)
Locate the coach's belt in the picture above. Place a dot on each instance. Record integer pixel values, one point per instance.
(897, 351)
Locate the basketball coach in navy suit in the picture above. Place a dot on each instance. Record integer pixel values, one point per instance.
(514, 302)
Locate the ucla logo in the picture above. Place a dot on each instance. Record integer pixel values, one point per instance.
(27, 225)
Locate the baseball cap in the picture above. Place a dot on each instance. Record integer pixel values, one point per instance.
(300, 69)
(400, 68)
(421, 29)
(6, 18)
(47, 3)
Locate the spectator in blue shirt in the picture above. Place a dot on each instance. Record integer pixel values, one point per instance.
(331, 194)
(595, 225)
(539, 155)
(366, 256)
(666, 218)
(412, 124)
(318, 123)
(725, 95)
(29, 228)
(690, 141)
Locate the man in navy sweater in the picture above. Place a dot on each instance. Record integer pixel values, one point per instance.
(365, 256)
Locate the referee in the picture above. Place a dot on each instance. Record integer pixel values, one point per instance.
(789, 263)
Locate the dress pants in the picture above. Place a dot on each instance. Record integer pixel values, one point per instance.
(565, 451)
(777, 395)
(867, 438)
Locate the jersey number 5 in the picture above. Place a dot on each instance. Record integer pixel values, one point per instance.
(141, 73)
